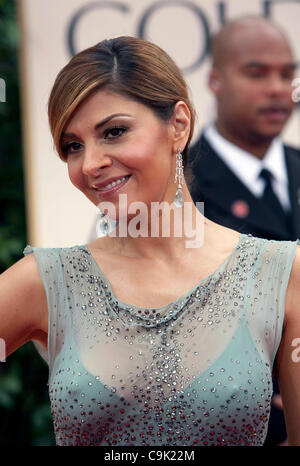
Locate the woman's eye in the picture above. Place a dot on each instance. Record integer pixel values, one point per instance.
(109, 133)
(67, 148)
(115, 132)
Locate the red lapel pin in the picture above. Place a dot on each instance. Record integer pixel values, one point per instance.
(240, 209)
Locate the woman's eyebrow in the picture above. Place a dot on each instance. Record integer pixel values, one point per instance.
(98, 125)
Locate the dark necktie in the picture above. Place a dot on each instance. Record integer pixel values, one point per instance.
(270, 198)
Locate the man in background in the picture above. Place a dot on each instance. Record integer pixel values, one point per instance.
(247, 178)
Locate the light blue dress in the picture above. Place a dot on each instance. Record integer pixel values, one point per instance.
(197, 371)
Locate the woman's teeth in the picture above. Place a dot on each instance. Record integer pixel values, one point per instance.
(114, 183)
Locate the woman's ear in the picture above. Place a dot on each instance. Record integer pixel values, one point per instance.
(181, 125)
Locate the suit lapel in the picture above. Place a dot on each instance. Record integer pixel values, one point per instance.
(292, 157)
(219, 185)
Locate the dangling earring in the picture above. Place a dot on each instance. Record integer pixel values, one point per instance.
(178, 199)
(104, 225)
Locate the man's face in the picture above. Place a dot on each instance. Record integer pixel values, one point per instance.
(254, 85)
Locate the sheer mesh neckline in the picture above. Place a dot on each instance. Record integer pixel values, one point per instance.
(183, 297)
(202, 375)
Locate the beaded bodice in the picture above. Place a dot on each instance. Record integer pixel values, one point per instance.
(195, 372)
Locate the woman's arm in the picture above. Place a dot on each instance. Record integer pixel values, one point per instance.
(23, 305)
(288, 357)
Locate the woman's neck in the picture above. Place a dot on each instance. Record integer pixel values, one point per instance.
(166, 235)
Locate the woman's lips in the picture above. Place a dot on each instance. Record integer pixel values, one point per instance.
(109, 192)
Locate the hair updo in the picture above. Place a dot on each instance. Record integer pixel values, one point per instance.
(129, 66)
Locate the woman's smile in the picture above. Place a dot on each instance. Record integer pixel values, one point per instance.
(130, 151)
(108, 189)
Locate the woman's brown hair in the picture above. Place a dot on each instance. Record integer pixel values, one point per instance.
(133, 67)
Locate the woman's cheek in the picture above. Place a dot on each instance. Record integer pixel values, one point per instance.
(75, 176)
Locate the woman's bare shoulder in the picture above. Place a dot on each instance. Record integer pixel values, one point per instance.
(292, 310)
(23, 273)
(220, 237)
(23, 304)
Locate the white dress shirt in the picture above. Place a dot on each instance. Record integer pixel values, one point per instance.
(247, 167)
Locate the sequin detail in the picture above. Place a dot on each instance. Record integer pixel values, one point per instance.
(194, 372)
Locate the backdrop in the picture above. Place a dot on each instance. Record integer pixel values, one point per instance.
(53, 30)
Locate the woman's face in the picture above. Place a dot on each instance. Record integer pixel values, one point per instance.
(111, 137)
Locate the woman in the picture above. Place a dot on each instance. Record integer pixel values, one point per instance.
(151, 342)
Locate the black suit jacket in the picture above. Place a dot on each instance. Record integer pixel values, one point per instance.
(219, 188)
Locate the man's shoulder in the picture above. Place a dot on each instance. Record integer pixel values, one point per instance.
(202, 147)
(199, 150)
(292, 151)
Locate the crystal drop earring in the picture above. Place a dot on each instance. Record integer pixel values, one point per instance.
(104, 225)
(179, 199)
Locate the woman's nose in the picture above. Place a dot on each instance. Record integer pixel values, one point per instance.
(95, 159)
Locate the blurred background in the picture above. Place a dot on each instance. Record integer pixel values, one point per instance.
(25, 417)
(37, 37)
